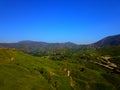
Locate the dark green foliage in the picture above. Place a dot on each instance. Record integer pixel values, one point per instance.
(113, 79)
(111, 50)
(100, 86)
(45, 74)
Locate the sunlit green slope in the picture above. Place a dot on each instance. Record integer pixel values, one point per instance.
(20, 71)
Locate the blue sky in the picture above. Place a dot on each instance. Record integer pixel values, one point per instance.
(78, 21)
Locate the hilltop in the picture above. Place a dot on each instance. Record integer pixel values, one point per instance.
(109, 41)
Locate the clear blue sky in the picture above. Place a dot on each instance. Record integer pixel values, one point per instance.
(78, 21)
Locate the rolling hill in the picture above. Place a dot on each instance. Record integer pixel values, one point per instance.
(61, 66)
(20, 71)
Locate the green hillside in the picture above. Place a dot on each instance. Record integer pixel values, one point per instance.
(20, 71)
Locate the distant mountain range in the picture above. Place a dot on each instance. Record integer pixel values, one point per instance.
(33, 47)
(30, 46)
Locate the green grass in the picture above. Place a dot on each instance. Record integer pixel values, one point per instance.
(20, 71)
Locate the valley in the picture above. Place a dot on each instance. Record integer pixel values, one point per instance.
(59, 67)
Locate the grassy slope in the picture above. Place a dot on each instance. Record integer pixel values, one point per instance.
(19, 71)
(26, 72)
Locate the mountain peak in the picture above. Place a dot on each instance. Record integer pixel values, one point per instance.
(109, 41)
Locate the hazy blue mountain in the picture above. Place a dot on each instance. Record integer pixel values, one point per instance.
(30, 46)
(109, 41)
